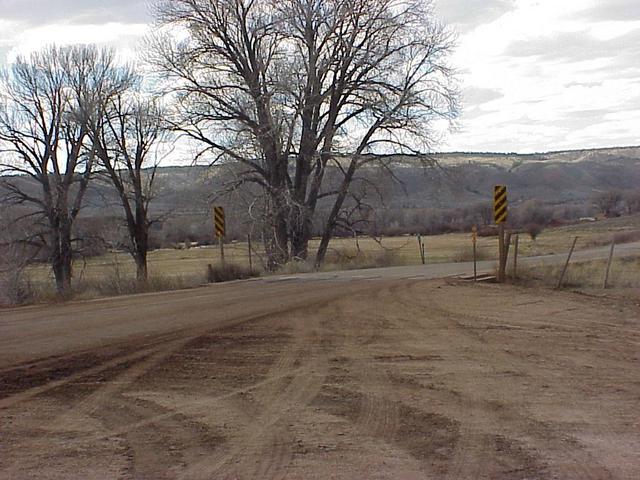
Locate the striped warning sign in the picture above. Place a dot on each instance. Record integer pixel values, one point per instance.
(500, 204)
(219, 221)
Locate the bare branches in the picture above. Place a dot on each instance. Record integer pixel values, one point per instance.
(49, 102)
(126, 140)
(285, 86)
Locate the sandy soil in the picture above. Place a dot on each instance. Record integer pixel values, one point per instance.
(379, 380)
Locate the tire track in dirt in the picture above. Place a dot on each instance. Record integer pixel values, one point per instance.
(292, 382)
(109, 393)
(476, 415)
(66, 368)
(361, 397)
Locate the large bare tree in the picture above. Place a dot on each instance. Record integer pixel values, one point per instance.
(292, 88)
(48, 102)
(127, 142)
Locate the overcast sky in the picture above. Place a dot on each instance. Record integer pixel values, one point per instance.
(536, 75)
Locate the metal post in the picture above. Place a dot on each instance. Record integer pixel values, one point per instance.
(606, 274)
(566, 265)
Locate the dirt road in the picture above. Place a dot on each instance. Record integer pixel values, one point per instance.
(366, 379)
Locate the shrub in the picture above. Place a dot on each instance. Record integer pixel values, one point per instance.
(609, 203)
(229, 272)
(533, 229)
(14, 283)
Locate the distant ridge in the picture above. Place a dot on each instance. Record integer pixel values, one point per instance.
(550, 152)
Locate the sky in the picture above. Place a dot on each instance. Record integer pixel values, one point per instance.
(535, 75)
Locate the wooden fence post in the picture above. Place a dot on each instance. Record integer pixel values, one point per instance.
(501, 253)
(421, 247)
(515, 257)
(566, 265)
(606, 273)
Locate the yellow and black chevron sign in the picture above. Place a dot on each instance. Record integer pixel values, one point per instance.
(219, 221)
(500, 204)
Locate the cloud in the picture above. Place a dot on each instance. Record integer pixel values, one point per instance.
(576, 47)
(611, 10)
(38, 12)
(124, 38)
(468, 14)
(535, 74)
(479, 96)
(29, 25)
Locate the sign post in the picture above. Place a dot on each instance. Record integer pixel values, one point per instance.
(500, 212)
(219, 226)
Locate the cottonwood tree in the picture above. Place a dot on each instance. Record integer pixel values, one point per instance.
(48, 101)
(127, 140)
(293, 88)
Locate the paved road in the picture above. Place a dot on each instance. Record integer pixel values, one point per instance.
(33, 333)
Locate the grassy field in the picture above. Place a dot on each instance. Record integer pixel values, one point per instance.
(347, 253)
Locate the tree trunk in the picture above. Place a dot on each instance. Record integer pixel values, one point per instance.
(141, 267)
(335, 212)
(324, 245)
(300, 235)
(139, 232)
(61, 260)
(277, 248)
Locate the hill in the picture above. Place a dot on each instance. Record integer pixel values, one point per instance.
(568, 179)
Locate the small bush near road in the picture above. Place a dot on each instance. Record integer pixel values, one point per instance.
(15, 287)
(229, 272)
(534, 229)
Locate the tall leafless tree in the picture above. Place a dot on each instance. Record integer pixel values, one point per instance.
(291, 88)
(49, 100)
(127, 141)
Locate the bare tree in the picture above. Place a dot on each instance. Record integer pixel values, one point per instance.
(610, 203)
(49, 101)
(292, 88)
(126, 142)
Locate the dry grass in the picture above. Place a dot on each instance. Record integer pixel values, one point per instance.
(346, 259)
(624, 273)
(116, 270)
(110, 286)
(465, 254)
